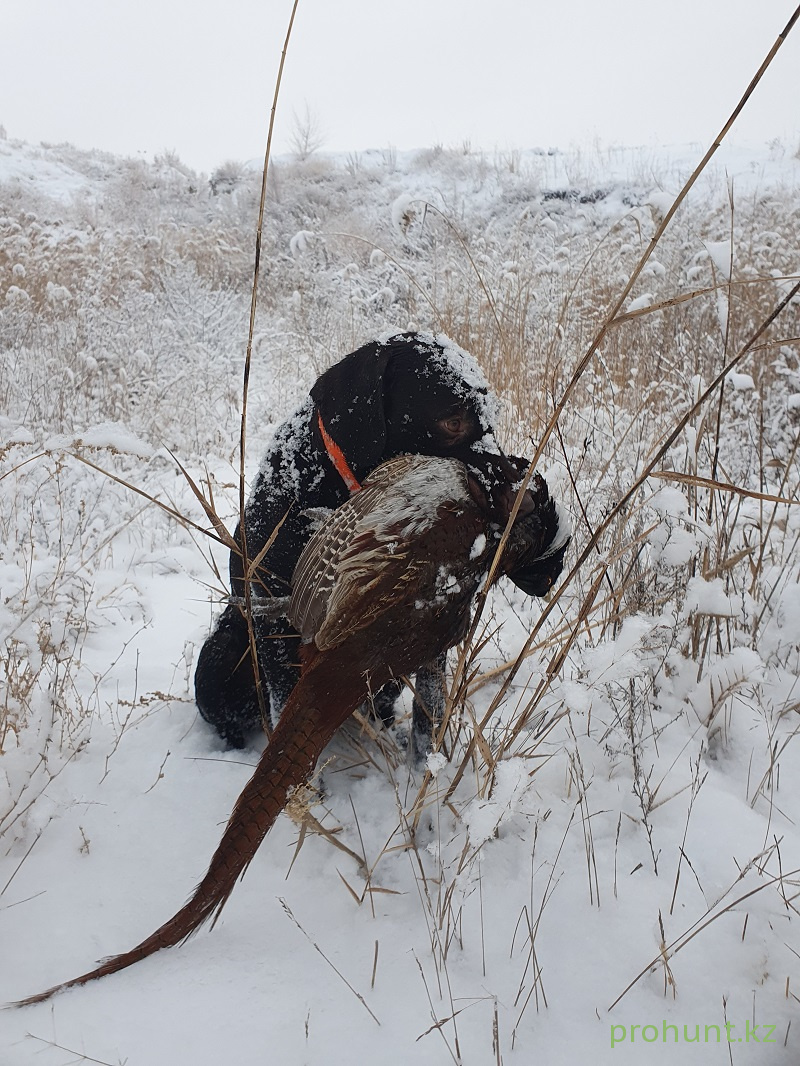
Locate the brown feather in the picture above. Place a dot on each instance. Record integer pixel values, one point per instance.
(383, 587)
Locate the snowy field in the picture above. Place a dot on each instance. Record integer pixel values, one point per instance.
(616, 845)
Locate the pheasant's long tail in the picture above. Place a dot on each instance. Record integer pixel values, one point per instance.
(311, 717)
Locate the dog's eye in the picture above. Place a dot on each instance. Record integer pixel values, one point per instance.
(454, 424)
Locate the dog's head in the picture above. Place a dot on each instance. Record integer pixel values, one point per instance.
(410, 392)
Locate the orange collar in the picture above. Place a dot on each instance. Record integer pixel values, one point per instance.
(336, 456)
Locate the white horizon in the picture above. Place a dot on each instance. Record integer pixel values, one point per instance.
(147, 78)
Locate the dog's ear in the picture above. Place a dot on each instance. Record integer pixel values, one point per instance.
(349, 397)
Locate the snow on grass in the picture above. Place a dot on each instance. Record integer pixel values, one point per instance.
(632, 788)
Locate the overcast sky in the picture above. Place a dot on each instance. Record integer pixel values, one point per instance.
(141, 76)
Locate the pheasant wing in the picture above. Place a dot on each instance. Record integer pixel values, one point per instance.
(365, 557)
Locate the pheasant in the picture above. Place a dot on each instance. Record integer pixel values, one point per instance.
(383, 586)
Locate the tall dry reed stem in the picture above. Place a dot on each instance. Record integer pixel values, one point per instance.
(248, 565)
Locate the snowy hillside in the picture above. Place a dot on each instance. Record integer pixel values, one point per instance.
(616, 845)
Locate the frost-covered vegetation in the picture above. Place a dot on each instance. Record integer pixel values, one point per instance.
(622, 801)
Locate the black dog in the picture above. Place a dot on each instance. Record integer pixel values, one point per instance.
(408, 393)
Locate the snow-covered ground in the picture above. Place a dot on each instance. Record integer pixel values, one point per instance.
(633, 860)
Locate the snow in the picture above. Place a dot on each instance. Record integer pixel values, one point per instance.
(709, 597)
(402, 212)
(478, 546)
(26, 169)
(645, 781)
(721, 254)
(661, 202)
(117, 438)
(742, 382)
(645, 300)
(564, 527)
(435, 762)
(299, 243)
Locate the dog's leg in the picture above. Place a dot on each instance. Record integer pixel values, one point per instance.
(380, 705)
(427, 708)
(279, 654)
(224, 684)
